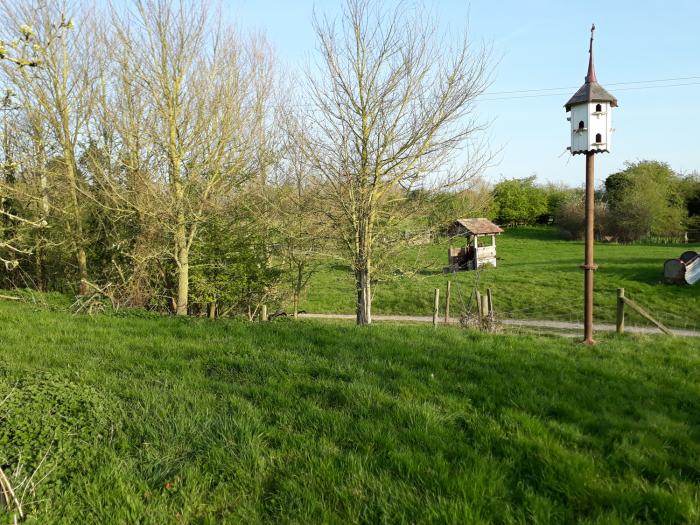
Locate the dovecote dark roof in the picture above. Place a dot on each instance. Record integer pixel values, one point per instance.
(591, 91)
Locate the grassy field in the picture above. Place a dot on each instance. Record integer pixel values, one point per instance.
(538, 277)
(136, 419)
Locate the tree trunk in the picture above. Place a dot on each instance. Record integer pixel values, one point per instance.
(211, 311)
(183, 270)
(297, 289)
(364, 297)
(82, 269)
(39, 270)
(72, 172)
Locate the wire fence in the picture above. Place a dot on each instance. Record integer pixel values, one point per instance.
(564, 317)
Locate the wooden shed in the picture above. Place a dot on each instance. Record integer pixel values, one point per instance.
(478, 250)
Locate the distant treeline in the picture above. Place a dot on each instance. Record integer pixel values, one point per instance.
(646, 200)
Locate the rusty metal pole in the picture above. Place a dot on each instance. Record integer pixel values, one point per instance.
(589, 266)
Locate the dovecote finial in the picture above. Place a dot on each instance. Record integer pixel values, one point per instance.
(590, 77)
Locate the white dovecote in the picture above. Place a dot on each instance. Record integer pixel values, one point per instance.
(591, 113)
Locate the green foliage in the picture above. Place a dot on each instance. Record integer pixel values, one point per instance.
(443, 208)
(51, 428)
(519, 201)
(231, 265)
(306, 422)
(570, 216)
(645, 200)
(558, 195)
(690, 190)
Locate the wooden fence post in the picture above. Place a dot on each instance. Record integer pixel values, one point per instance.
(484, 306)
(436, 306)
(447, 302)
(620, 320)
(490, 297)
(478, 304)
(263, 312)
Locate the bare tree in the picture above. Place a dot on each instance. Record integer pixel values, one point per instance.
(393, 104)
(202, 89)
(58, 95)
(300, 231)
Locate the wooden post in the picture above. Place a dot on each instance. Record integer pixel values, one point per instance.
(447, 302)
(589, 266)
(490, 298)
(478, 304)
(484, 306)
(263, 312)
(620, 321)
(436, 307)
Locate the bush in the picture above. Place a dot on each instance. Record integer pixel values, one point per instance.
(570, 216)
(519, 201)
(645, 200)
(445, 207)
(557, 195)
(231, 267)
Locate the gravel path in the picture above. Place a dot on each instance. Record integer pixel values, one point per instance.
(525, 323)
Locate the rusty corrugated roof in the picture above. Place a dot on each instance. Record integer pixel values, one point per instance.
(479, 226)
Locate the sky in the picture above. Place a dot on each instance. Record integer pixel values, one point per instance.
(544, 45)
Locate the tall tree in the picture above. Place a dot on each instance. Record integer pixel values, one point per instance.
(299, 230)
(392, 105)
(202, 87)
(58, 95)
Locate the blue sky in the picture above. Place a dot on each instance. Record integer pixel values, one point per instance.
(544, 44)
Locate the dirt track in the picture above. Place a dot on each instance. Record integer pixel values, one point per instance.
(522, 323)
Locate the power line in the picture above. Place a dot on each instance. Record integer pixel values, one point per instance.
(563, 94)
(575, 87)
(545, 92)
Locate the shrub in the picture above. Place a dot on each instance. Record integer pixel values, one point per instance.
(445, 207)
(645, 201)
(519, 201)
(232, 267)
(570, 216)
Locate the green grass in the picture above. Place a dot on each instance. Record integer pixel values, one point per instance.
(538, 277)
(160, 420)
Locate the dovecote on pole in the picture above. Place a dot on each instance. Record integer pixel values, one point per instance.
(591, 133)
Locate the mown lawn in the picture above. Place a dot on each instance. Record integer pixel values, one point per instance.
(538, 277)
(161, 420)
